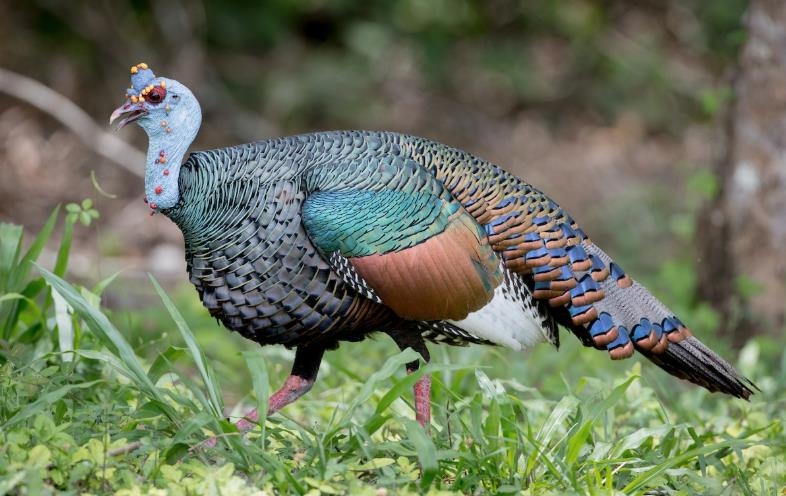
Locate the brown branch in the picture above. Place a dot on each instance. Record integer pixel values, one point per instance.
(74, 118)
(127, 448)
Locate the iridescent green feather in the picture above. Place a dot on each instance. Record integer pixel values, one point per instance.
(358, 223)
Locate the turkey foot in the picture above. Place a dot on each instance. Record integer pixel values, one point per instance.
(300, 380)
(294, 387)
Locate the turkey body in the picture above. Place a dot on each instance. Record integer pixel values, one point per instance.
(310, 240)
(257, 269)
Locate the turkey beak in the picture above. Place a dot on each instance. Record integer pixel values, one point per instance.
(131, 112)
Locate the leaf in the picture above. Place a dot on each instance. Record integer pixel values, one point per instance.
(391, 366)
(491, 389)
(176, 452)
(426, 451)
(99, 288)
(640, 481)
(15, 296)
(205, 372)
(44, 401)
(10, 244)
(559, 413)
(109, 336)
(321, 486)
(397, 391)
(259, 379)
(6, 485)
(638, 437)
(61, 263)
(541, 454)
(37, 245)
(12, 279)
(577, 439)
(65, 328)
(164, 361)
(108, 358)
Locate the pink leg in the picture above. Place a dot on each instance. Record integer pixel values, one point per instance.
(299, 382)
(408, 338)
(423, 401)
(294, 387)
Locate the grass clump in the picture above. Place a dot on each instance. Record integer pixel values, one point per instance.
(88, 407)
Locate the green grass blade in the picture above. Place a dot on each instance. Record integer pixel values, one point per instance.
(566, 406)
(13, 276)
(638, 437)
(10, 245)
(164, 362)
(61, 263)
(205, 372)
(578, 438)
(37, 245)
(99, 288)
(44, 401)
(678, 460)
(426, 451)
(17, 296)
(540, 453)
(259, 378)
(107, 358)
(65, 327)
(399, 390)
(549, 429)
(391, 366)
(109, 336)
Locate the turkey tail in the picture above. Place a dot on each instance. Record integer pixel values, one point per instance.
(630, 317)
(578, 284)
(691, 360)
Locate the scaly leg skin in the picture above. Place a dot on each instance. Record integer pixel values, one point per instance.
(422, 388)
(294, 387)
(423, 401)
(303, 375)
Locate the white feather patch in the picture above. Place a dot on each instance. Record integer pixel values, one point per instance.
(507, 320)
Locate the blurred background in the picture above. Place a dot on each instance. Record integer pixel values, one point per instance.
(658, 124)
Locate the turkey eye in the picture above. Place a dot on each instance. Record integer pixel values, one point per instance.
(156, 95)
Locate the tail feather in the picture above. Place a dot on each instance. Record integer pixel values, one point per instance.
(623, 317)
(628, 317)
(580, 286)
(691, 360)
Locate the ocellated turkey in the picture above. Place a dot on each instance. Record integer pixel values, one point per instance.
(311, 240)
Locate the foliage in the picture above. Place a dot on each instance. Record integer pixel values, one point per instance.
(309, 64)
(100, 416)
(95, 401)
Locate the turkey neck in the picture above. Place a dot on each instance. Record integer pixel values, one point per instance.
(169, 140)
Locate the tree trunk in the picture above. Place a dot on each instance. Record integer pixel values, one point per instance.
(742, 232)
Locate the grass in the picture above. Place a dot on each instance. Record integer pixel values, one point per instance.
(90, 406)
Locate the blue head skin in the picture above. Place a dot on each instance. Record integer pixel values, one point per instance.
(170, 115)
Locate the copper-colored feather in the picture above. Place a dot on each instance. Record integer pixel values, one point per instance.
(445, 277)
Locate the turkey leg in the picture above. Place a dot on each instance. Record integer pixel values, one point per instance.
(303, 375)
(422, 388)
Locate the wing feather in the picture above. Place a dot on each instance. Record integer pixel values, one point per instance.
(412, 244)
